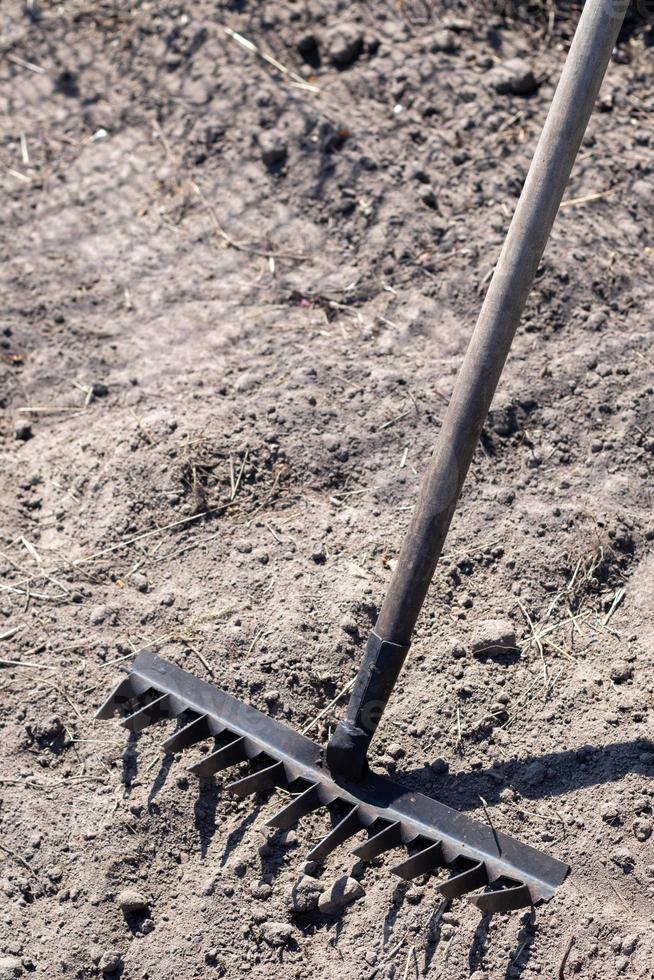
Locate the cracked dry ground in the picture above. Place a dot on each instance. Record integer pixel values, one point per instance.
(234, 306)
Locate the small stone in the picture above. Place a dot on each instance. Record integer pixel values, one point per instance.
(629, 944)
(10, 967)
(344, 45)
(273, 150)
(642, 829)
(277, 933)
(624, 859)
(535, 773)
(131, 900)
(260, 889)
(98, 615)
(305, 894)
(507, 795)
(146, 926)
(621, 671)
(22, 432)
(139, 581)
(395, 750)
(493, 636)
(343, 891)
(349, 625)
(457, 650)
(512, 77)
(621, 963)
(111, 961)
(99, 389)
(413, 896)
(609, 811)
(444, 41)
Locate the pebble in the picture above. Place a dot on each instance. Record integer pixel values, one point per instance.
(343, 891)
(444, 41)
(260, 889)
(609, 811)
(22, 431)
(110, 962)
(624, 859)
(395, 750)
(344, 45)
(139, 581)
(642, 829)
(535, 773)
(146, 926)
(305, 894)
(621, 671)
(512, 77)
(274, 150)
(98, 615)
(131, 900)
(99, 389)
(629, 944)
(10, 967)
(277, 933)
(493, 636)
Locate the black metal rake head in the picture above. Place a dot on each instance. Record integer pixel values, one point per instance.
(514, 875)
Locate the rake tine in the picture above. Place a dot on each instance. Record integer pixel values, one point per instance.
(503, 900)
(165, 706)
(387, 838)
(299, 806)
(229, 755)
(467, 881)
(196, 730)
(426, 860)
(128, 690)
(256, 782)
(347, 827)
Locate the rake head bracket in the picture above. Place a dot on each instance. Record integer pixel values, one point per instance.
(394, 816)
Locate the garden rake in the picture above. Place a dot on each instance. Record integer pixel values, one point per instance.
(496, 872)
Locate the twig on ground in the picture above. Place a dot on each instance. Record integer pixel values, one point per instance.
(250, 46)
(18, 858)
(334, 701)
(564, 958)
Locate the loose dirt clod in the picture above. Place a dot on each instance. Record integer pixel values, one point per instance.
(344, 891)
(131, 900)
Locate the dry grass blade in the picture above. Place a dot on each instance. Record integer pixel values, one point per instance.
(253, 49)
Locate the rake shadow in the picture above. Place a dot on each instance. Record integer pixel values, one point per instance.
(130, 762)
(557, 773)
(397, 901)
(519, 959)
(204, 810)
(159, 783)
(237, 835)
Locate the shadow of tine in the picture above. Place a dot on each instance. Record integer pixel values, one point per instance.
(160, 781)
(205, 807)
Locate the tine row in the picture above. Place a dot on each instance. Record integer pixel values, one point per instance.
(346, 828)
(196, 731)
(127, 692)
(164, 707)
(430, 854)
(240, 750)
(299, 806)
